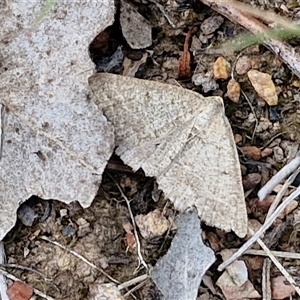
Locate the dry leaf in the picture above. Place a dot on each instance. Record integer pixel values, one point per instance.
(184, 69)
(136, 29)
(233, 90)
(19, 291)
(181, 138)
(281, 290)
(54, 141)
(179, 273)
(264, 86)
(221, 68)
(153, 224)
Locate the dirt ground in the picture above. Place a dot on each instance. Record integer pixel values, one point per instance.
(102, 233)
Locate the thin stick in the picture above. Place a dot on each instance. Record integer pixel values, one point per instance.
(254, 114)
(37, 292)
(283, 173)
(280, 194)
(80, 257)
(15, 266)
(278, 265)
(132, 281)
(266, 284)
(262, 229)
(137, 240)
(281, 254)
(135, 288)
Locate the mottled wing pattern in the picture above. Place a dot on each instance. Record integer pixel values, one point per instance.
(181, 138)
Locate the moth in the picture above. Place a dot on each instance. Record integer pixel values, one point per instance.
(181, 138)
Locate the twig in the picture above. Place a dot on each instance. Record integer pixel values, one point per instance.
(278, 264)
(137, 240)
(281, 254)
(3, 285)
(37, 292)
(132, 281)
(280, 194)
(135, 288)
(80, 257)
(228, 8)
(15, 266)
(266, 284)
(262, 229)
(283, 173)
(254, 114)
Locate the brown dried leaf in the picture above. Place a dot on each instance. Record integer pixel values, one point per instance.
(264, 86)
(221, 68)
(181, 138)
(184, 68)
(233, 90)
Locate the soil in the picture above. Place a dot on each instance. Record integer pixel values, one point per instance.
(100, 233)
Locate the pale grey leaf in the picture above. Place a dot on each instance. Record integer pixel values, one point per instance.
(54, 141)
(179, 273)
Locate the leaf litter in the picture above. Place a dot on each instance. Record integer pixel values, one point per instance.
(242, 121)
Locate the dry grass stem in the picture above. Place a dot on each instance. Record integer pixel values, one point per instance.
(80, 257)
(278, 265)
(137, 240)
(262, 229)
(133, 281)
(15, 266)
(282, 254)
(266, 282)
(283, 173)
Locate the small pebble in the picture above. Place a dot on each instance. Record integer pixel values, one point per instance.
(266, 152)
(278, 154)
(251, 180)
